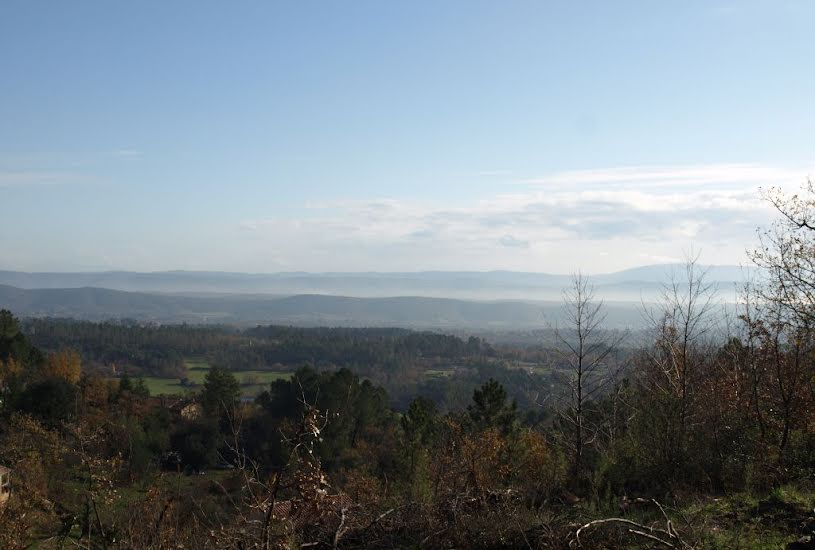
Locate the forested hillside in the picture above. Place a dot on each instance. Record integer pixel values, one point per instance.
(389, 437)
(98, 304)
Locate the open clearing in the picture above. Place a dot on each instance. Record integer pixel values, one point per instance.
(252, 381)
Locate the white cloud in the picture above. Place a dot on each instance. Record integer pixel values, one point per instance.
(658, 259)
(513, 242)
(664, 176)
(620, 215)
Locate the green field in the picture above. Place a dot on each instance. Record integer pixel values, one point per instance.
(438, 373)
(252, 381)
(537, 368)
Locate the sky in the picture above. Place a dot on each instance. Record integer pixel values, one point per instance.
(397, 136)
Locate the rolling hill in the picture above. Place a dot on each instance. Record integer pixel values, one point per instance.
(413, 312)
(642, 283)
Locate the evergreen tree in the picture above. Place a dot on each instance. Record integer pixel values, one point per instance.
(490, 409)
(220, 394)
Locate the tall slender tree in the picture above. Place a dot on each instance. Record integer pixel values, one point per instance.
(586, 349)
(675, 366)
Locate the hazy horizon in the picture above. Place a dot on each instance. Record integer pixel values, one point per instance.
(678, 263)
(463, 136)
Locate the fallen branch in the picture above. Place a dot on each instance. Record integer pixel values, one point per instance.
(340, 529)
(666, 537)
(639, 529)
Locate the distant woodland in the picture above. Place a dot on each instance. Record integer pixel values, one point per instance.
(698, 433)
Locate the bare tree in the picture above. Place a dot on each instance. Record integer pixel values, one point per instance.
(787, 254)
(586, 348)
(675, 364)
(784, 357)
(787, 251)
(747, 364)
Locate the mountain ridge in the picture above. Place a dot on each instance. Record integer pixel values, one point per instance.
(634, 284)
(97, 304)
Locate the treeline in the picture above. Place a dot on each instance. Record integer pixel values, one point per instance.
(140, 349)
(396, 359)
(345, 346)
(159, 350)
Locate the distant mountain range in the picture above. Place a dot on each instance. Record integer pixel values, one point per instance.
(306, 310)
(496, 300)
(642, 283)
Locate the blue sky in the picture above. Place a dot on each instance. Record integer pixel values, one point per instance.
(354, 136)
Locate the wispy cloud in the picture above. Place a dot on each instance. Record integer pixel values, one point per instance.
(628, 213)
(672, 176)
(21, 178)
(31, 168)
